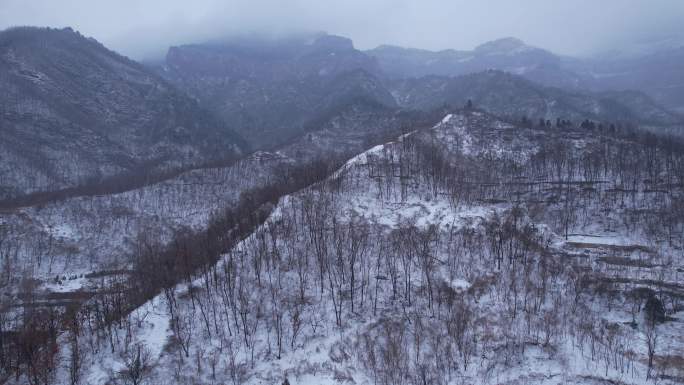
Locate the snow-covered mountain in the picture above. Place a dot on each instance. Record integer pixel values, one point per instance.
(74, 113)
(513, 97)
(508, 55)
(394, 231)
(653, 68)
(475, 251)
(274, 89)
(271, 89)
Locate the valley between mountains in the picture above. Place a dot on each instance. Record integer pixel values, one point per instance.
(303, 212)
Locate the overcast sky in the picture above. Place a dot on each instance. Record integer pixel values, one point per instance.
(142, 29)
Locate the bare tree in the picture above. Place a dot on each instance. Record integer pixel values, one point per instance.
(137, 366)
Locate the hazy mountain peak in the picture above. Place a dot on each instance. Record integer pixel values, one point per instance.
(389, 47)
(503, 46)
(333, 43)
(38, 35)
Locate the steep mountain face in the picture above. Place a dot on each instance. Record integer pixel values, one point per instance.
(73, 112)
(271, 89)
(512, 97)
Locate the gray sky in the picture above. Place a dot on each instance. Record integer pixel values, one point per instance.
(142, 29)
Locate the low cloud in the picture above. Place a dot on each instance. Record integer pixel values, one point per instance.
(143, 29)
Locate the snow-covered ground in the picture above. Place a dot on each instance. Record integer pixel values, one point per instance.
(389, 272)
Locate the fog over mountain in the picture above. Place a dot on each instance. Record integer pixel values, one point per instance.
(143, 29)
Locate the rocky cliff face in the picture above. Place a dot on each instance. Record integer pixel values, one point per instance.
(272, 89)
(73, 112)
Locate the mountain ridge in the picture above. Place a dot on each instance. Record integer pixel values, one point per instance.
(272, 93)
(654, 69)
(65, 91)
(513, 97)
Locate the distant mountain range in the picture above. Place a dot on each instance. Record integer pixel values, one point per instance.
(511, 96)
(510, 55)
(73, 112)
(656, 69)
(273, 89)
(658, 72)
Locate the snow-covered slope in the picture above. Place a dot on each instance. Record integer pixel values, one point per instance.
(472, 252)
(74, 113)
